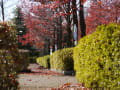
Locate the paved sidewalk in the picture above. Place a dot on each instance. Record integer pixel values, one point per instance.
(39, 81)
(40, 78)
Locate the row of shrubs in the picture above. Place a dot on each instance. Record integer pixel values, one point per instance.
(62, 59)
(96, 58)
(44, 61)
(59, 60)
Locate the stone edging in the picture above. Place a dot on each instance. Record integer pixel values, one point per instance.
(72, 73)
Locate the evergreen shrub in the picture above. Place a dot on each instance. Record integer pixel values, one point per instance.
(32, 59)
(97, 58)
(24, 60)
(9, 61)
(62, 59)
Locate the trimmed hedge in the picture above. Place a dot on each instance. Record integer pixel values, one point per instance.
(97, 58)
(44, 61)
(62, 59)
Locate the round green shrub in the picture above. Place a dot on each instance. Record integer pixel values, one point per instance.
(62, 59)
(97, 58)
(44, 61)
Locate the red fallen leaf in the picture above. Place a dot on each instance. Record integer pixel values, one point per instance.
(53, 89)
(11, 76)
(14, 81)
(98, 59)
(65, 85)
(99, 2)
(85, 0)
(30, 80)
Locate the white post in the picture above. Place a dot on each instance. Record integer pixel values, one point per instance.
(50, 51)
(75, 35)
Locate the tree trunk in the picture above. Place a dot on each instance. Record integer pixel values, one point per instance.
(75, 20)
(82, 20)
(59, 29)
(2, 7)
(69, 40)
(59, 33)
(69, 32)
(54, 41)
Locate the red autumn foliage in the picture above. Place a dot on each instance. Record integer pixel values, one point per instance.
(37, 19)
(104, 12)
(40, 18)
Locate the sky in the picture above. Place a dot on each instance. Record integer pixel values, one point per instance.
(9, 6)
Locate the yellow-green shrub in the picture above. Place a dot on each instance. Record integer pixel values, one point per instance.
(44, 61)
(62, 59)
(97, 58)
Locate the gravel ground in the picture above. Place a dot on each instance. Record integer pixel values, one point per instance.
(43, 79)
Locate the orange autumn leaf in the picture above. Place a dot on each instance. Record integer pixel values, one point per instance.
(99, 2)
(85, 0)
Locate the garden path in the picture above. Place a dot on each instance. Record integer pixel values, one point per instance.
(44, 79)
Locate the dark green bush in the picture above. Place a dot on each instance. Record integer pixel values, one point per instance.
(9, 61)
(8, 71)
(97, 58)
(32, 59)
(62, 59)
(33, 54)
(44, 61)
(23, 59)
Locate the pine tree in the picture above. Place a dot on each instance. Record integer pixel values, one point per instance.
(20, 27)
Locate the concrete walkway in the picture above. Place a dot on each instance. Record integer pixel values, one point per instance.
(39, 79)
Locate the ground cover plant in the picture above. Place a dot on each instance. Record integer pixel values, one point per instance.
(97, 58)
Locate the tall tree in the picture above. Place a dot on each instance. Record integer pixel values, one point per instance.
(38, 19)
(103, 12)
(19, 22)
(66, 12)
(21, 28)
